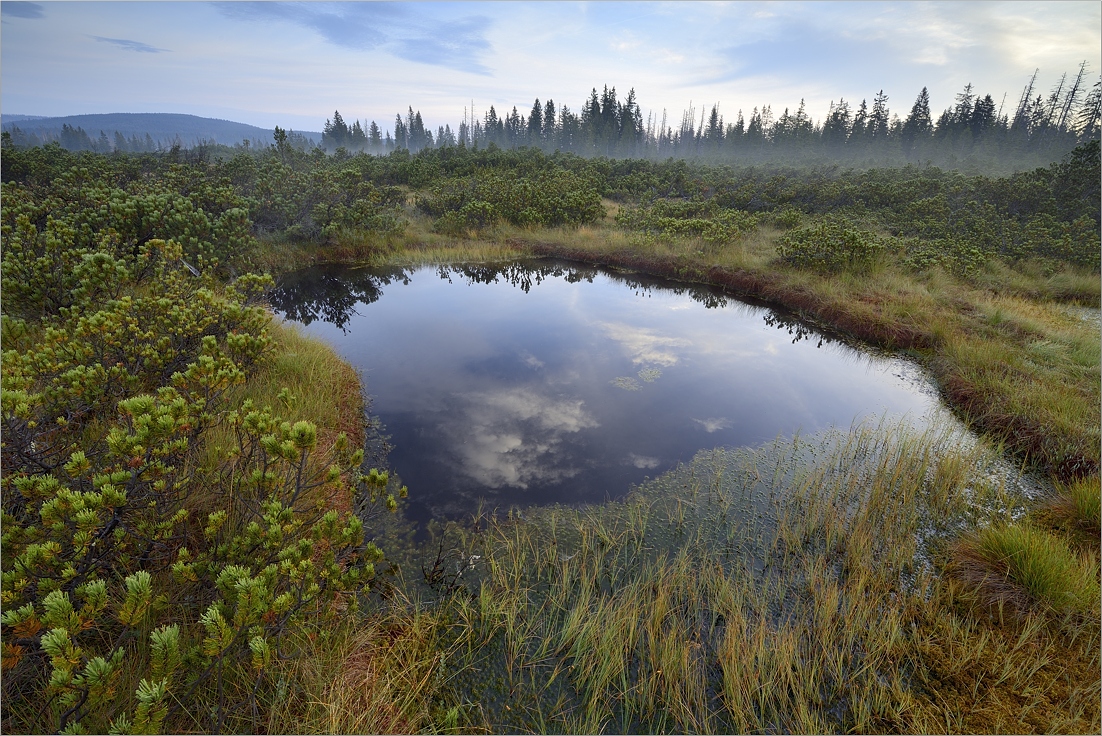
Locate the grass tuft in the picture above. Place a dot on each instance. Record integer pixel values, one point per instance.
(1024, 568)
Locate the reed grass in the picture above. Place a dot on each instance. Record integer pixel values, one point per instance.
(1079, 505)
(795, 588)
(378, 675)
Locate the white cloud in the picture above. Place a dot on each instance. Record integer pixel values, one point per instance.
(713, 424)
(645, 346)
(515, 437)
(642, 461)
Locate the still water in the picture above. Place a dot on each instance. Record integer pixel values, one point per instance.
(549, 382)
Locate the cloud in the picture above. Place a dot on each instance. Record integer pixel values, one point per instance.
(713, 424)
(515, 437)
(644, 346)
(396, 28)
(123, 43)
(531, 361)
(642, 461)
(22, 10)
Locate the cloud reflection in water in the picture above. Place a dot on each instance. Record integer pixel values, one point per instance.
(645, 346)
(515, 437)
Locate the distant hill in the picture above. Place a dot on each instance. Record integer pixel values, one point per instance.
(162, 129)
(12, 118)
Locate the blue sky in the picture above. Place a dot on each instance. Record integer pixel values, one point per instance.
(292, 64)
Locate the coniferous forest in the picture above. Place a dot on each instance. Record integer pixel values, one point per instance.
(976, 131)
(1037, 125)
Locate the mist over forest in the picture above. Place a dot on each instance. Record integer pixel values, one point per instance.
(979, 132)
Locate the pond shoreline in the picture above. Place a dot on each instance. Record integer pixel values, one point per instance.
(944, 338)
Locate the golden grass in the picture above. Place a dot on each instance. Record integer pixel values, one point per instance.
(1022, 567)
(639, 616)
(375, 675)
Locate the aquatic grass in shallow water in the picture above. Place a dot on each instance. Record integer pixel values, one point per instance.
(793, 588)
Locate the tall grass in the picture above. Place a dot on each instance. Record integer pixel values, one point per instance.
(796, 588)
(379, 675)
(1078, 505)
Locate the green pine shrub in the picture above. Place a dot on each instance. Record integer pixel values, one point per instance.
(698, 218)
(543, 198)
(831, 245)
(140, 588)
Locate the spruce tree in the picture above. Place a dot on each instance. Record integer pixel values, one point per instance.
(357, 139)
(535, 124)
(401, 133)
(983, 116)
(549, 124)
(1091, 113)
(917, 126)
(860, 121)
(878, 119)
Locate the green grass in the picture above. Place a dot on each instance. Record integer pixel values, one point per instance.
(1025, 567)
(1080, 503)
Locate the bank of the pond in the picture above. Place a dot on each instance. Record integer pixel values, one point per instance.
(1008, 358)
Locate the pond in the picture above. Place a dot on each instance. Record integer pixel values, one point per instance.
(543, 382)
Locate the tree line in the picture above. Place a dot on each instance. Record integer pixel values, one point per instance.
(975, 125)
(76, 138)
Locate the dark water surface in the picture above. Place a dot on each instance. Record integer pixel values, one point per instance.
(548, 382)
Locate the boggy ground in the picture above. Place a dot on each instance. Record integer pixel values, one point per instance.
(898, 585)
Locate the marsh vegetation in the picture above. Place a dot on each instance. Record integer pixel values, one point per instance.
(192, 539)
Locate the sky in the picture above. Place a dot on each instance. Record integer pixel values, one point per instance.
(293, 64)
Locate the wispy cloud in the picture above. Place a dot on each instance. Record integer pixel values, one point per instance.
(643, 462)
(713, 424)
(398, 28)
(122, 43)
(22, 10)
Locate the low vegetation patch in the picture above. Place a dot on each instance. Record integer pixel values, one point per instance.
(1026, 568)
(830, 246)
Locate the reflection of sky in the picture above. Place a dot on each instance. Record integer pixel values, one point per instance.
(488, 391)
